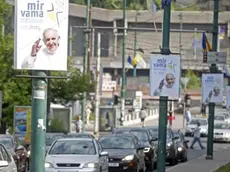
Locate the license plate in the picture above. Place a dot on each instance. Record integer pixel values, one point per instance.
(218, 137)
(113, 164)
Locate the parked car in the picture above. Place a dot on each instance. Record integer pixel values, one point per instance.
(221, 132)
(125, 152)
(182, 146)
(226, 115)
(18, 152)
(171, 146)
(7, 163)
(146, 140)
(221, 118)
(79, 135)
(193, 124)
(76, 154)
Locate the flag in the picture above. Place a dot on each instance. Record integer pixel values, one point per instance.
(221, 33)
(165, 2)
(196, 42)
(129, 60)
(205, 43)
(142, 63)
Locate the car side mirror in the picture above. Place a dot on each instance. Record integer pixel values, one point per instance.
(103, 153)
(186, 141)
(3, 164)
(140, 148)
(175, 138)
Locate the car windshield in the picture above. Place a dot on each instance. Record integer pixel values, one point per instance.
(80, 147)
(154, 132)
(195, 121)
(78, 136)
(51, 138)
(7, 142)
(220, 118)
(117, 142)
(222, 126)
(140, 134)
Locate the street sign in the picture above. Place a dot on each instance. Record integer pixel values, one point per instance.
(217, 57)
(184, 81)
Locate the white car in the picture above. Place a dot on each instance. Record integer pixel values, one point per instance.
(221, 132)
(76, 154)
(221, 118)
(7, 163)
(193, 124)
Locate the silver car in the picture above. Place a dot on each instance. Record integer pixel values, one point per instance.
(7, 163)
(221, 132)
(220, 118)
(76, 154)
(192, 125)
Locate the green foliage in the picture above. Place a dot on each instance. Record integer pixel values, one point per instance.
(224, 168)
(15, 91)
(71, 89)
(56, 126)
(194, 80)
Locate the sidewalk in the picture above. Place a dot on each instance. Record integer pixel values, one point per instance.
(220, 157)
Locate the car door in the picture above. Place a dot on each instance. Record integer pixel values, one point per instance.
(103, 159)
(5, 156)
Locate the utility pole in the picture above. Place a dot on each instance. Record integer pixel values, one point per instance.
(135, 45)
(85, 63)
(123, 65)
(90, 42)
(213, 69)
(38, 122)
(164, 100)
(97, 96)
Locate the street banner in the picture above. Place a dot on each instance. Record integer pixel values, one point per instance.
(22, 122)
(165, 75)
(41, 34)
(212, 88)
(228, 97)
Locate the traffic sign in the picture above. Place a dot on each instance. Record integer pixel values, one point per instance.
(217, 57)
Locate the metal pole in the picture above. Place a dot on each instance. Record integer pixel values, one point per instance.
(135, 45)
(97, 96)
(213, 69)
(163, 100)
(93, 43)
(123, 65)
(85, 63)
(194, 50)
(71, 41)
(38, 122)
(180, 49)
(90, 42)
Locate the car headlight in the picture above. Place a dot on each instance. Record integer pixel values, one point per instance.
(227, 134)
(28, 153)
(90, 165)
(146, 149)
(180, 149)
(128, 158)
(169, 144)
(48, 165)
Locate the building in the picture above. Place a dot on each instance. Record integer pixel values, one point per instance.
(149, 39)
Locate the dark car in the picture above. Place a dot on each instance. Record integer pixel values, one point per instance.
(171, 146)
(18, 152)
(125, 152)
(146, 140)
(79, 135)
(182, 146)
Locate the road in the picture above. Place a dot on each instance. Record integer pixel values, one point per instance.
(196, 152)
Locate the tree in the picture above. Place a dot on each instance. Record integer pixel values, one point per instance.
(64, 91)
(15, 91)
(194, 80)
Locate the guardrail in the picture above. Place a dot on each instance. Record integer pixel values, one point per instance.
(133, 118)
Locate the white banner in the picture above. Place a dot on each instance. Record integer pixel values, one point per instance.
(165, 75)
(41, 34)
(212, 88)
